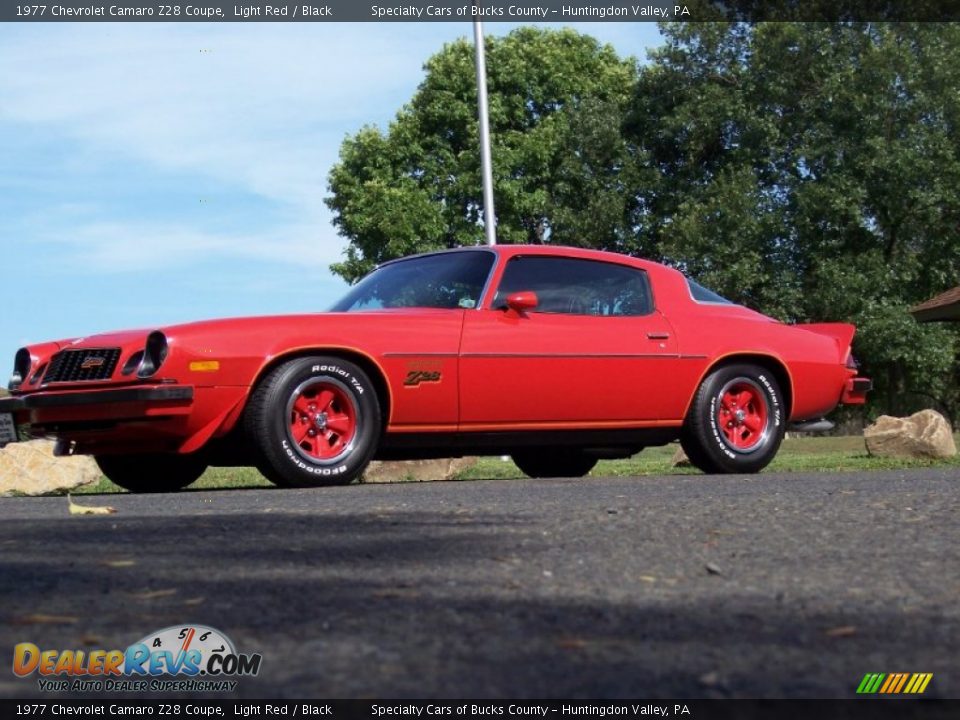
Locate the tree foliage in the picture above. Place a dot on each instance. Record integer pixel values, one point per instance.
(808, 170)
(561, 171)
(812, 171)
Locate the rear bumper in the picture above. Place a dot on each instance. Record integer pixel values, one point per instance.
(855, 391)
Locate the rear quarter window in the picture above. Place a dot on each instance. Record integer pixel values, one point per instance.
(701, 294)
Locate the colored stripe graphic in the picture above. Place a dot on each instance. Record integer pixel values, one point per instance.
(891, 679)
(901, 682)
(915, 680)
(898, 680)
(894, 683)
(871, 683)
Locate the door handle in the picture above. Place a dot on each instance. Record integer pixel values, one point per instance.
(658, 335)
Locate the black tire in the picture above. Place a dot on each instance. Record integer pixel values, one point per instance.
(151, 473)
(736, 421)
(553, 462)
(339, 439)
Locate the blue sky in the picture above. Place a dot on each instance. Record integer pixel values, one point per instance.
(153, 173)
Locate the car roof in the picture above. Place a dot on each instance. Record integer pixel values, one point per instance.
(507, 251)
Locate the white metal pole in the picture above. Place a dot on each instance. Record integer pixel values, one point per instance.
(486, 166)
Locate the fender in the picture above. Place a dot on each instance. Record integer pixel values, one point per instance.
(841, 332)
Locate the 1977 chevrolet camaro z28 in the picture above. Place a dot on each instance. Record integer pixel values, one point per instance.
(555, 356)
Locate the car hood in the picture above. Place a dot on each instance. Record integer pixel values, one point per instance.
(277, 324)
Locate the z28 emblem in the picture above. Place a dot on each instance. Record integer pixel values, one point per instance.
(91, 362)
(415, 377)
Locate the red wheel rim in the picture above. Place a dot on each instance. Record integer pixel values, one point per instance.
(742, 415)
(322, 420)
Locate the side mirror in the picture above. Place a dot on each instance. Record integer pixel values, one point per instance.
(520, 302)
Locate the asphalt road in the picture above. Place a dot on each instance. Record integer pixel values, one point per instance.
(761, 586)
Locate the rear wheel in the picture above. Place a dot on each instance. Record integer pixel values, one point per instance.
(314, 421)
(151, 472)
(736, 423)
(553, 462)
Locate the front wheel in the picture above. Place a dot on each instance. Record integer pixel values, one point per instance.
(314, 421)
(150, 473)
(553, 462)
(736, 421)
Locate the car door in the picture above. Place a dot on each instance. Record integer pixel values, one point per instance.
(591, 354)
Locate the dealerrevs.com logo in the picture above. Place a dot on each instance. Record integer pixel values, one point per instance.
(178, 658)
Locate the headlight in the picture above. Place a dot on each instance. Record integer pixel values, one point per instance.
(132, 364)
(154, 354)
(21, 368)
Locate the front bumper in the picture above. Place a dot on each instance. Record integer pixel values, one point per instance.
(134, 418)
(55, 399)
(52, 410)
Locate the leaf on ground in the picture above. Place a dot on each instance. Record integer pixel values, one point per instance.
(571, 643)
(842, 631)
(76, 509)
(710, 679)
(153, 594)
(398, 593)
(713, 569)
(119, 563)
(41, 619)
(194, 601)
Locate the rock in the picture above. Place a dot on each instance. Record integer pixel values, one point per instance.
(925, 434)
(680, 459)
(416, 470)
(29, 468)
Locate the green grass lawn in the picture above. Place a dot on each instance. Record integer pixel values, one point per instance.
(796, 455)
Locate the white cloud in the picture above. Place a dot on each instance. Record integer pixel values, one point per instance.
(250, 109)
(120, 247)
(261, 107)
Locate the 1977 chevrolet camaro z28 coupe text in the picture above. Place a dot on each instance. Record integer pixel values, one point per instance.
(555, 356)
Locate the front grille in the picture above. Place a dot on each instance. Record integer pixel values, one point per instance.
(82, 365)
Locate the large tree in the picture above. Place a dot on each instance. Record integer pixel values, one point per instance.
(813, 171)
(562, 170)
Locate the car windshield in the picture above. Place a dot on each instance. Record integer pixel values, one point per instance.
(444, 280)
(701, 294)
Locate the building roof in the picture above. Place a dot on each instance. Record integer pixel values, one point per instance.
(945, 306)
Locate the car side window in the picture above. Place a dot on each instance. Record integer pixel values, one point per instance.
(572, 286)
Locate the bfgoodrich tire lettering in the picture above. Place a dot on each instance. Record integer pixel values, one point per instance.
(314, 421)
(736, 421)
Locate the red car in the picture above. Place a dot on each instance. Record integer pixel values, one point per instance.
(555, 356)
